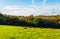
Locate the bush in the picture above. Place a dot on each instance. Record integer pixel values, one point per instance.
(38, 22)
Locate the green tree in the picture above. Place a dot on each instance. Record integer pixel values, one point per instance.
(38, 22)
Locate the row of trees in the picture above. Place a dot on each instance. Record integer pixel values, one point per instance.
(31, 21)
(10, 20)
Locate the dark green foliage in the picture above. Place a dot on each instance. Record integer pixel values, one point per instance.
(38, 22)
(31, 21)
(11, 21)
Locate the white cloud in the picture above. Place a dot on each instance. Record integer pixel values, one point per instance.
(13, 8)
(17, 10)
(44, 2)
(9, 7)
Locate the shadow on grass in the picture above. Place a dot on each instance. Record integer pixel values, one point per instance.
(46, 24)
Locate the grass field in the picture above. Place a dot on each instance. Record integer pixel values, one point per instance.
(16, 32)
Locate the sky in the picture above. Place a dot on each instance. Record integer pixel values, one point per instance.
(29, 7)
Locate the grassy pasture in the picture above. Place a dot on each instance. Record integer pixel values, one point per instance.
(16, 32)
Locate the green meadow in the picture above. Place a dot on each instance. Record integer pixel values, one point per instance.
(19, 32)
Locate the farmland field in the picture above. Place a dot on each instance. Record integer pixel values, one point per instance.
(19, 32)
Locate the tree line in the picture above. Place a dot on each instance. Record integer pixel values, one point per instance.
(31, 21)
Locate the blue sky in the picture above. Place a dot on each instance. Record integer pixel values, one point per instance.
(25, 7)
